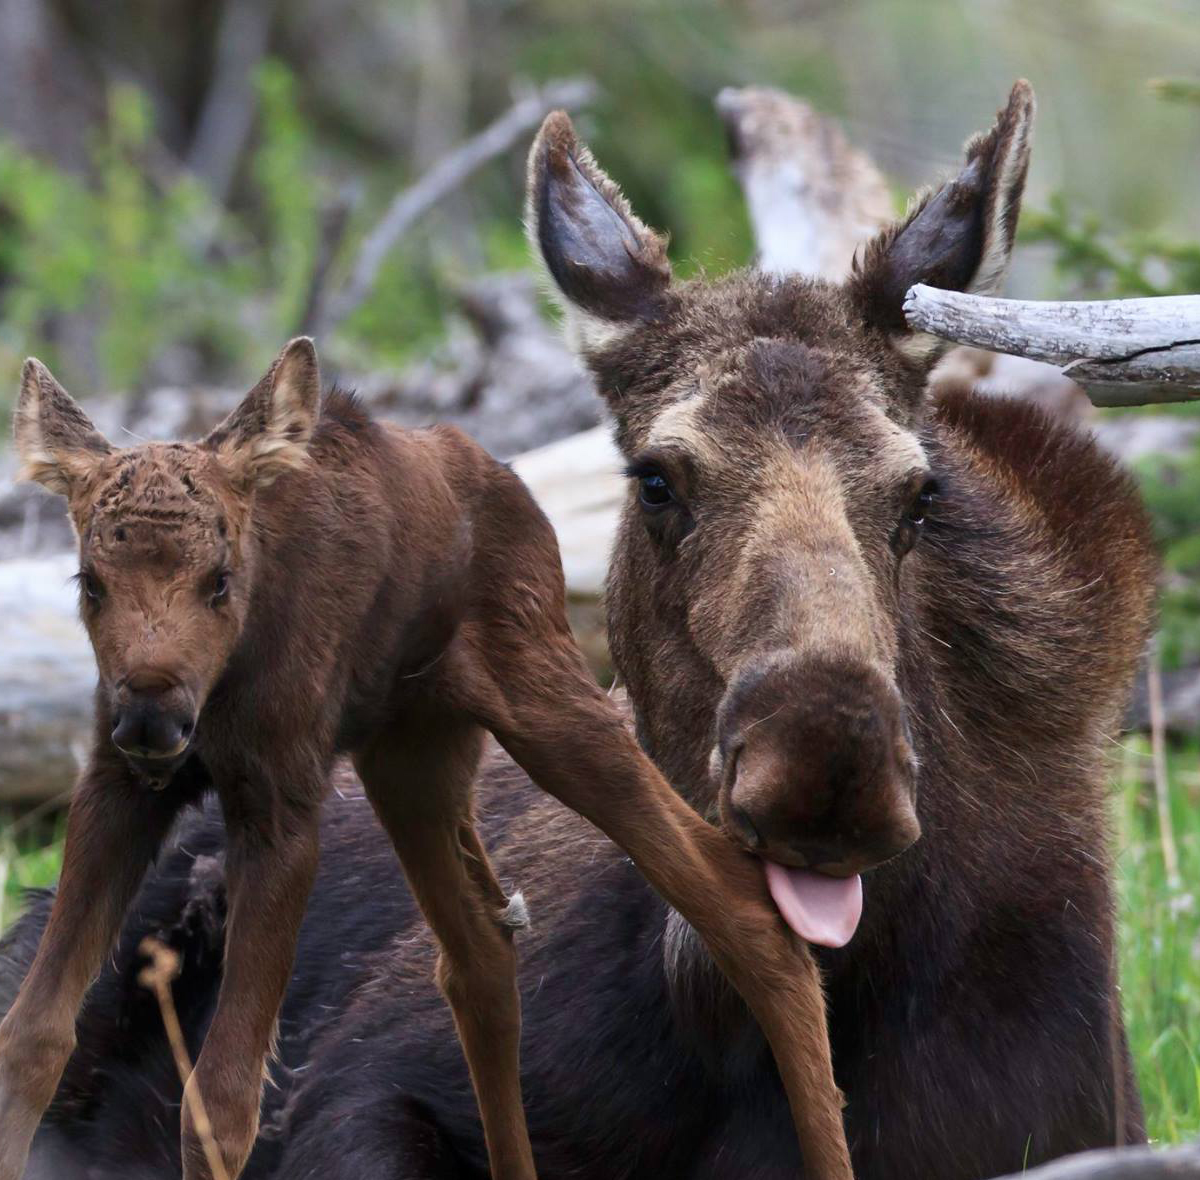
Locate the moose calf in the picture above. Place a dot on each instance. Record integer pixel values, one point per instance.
(306, 581)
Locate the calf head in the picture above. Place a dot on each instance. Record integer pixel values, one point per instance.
(778, 489)
(166, 546)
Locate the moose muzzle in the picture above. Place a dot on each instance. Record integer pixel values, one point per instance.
(818, 778)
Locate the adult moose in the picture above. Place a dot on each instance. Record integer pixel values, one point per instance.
(302, 582)
(826, 593)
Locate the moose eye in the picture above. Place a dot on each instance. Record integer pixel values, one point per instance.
(655, 492)
(922, 504)
(220, 588)
(909, 529)
(654, 489)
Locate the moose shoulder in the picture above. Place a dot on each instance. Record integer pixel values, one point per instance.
(843, 614)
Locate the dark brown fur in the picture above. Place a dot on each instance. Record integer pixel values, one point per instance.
(975, 1016)
(302, 583)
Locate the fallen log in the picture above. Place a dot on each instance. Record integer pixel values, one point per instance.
(1124, 352)
(1123, 1163)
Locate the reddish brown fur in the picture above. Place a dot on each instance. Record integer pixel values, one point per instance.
(303, 583)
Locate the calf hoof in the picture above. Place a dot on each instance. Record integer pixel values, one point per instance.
(227, 1137)
(30, 1068)
(19, 1120)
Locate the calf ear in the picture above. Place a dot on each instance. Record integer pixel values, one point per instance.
(607, 267)
(269, 432)
(958, 237)
(56, 441)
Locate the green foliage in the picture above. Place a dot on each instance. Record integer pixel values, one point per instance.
(124, 253)
(291, 194)
(30, 858)
(1091, 263)
(1160, 940)
(1171, 487)
(1177, 89)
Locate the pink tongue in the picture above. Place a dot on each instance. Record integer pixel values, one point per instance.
(821, 909)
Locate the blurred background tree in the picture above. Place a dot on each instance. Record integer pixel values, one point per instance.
(165, 169)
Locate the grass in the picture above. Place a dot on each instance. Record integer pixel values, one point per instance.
(30, 856)
(1159, 927)
(1160, 939)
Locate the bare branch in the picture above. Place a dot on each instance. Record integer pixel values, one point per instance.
(812, 197)
(443, 178)
(1126, 1163)
(1124, 352)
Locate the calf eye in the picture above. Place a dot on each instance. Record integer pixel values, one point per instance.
(93, 591)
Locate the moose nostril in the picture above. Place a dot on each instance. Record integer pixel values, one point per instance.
(745, 828)
(124, 731)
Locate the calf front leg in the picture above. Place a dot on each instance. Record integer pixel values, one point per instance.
(114, 829)
(268, 880)
(540, 702)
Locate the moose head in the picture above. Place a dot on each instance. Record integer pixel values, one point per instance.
(166, 543)
(770, 550)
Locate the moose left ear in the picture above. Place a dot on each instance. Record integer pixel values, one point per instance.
(269, 432)
(958, 237)
(608, 268)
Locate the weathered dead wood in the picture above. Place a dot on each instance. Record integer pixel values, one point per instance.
(1126, 1163)
(812, 197)
(1124, 352)
(443, 178)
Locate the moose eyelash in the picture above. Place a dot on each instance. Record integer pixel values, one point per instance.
(640, 468)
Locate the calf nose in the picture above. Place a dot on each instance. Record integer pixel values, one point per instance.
(145, 730)
(153, 717)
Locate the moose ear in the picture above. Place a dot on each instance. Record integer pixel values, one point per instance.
(56, 441)
(958, 237)
(607, 267)
(269, 432)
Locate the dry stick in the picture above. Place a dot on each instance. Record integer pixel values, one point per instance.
(1124, 352)
(1162, 788)
(443, 178)
(164, 967)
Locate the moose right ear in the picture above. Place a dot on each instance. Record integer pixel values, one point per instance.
(959, 237)
(608, 268)
(56, 441)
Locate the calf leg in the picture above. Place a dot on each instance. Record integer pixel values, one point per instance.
(268, 881)
(544, 707)
(114, 829)
(419, 782)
